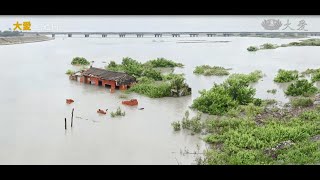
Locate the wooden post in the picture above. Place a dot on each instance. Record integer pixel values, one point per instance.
(65, 123)
(72, 117)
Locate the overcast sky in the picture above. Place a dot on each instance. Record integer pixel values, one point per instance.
(157, 23)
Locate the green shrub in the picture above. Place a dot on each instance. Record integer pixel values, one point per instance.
(252, 48)
(301, 87)
(194, 124)
(286, 76)
(257, 102)
(224, 97)
(315, 76)
(252, 77)
(216, 101)
(145, 80)
(211, 70)
(294, 44)
(251, 109)
(310, 115)
(311, 71)
(171, 76)
(301, 102)
(235, 112)
(239, 90)
(268, 46)
(70, 72)
(153, 90)
(176, 126)
(151, 73)
(80, 61)
(162, 63)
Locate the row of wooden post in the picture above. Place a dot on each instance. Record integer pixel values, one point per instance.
(65, 120)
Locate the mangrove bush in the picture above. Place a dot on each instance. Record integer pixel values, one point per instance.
(301, 87)
(286, 76)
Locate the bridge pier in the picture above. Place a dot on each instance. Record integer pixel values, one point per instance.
(175, 35)
(194, 35)
(86, 35)
(53, 35)
(140, 35)
(104, 35)
(158, 35)
(122, 35)
(69, 35)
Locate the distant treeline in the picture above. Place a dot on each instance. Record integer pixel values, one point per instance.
(10, 33)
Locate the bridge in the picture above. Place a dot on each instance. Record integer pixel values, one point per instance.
(175, 34)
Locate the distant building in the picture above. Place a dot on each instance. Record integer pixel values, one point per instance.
(101, 77)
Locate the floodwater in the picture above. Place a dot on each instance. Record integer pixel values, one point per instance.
(34, 89)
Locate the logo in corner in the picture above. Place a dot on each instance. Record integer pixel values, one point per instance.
(271, 24)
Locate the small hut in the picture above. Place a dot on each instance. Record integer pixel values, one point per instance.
(111, 79)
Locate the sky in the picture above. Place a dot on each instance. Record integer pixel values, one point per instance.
(157, 23)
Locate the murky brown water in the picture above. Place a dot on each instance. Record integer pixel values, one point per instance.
(34, 89)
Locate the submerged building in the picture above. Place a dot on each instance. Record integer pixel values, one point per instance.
(110, 79)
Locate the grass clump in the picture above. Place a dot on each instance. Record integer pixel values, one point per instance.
(252, 48)
(80, 61)
(176, 125)
(272, 91)
(301, 87)
(194, 124)
(118, 113)
(286, 76)
(301, 102)
(211, 70)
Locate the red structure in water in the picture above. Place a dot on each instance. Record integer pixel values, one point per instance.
(111, 79)
(69, 101)
(132, 102)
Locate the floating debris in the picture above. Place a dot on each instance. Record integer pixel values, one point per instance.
(132, 102)
(101, 111)
(69, 101)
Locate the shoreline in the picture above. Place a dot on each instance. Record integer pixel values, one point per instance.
(23, 39)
